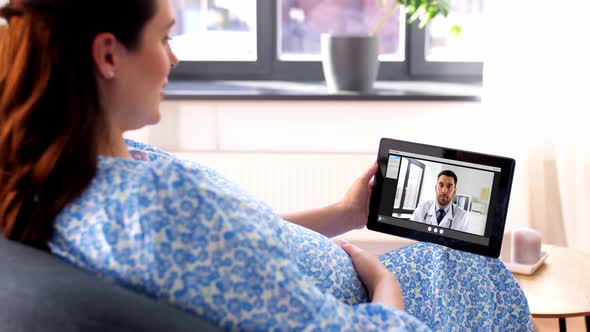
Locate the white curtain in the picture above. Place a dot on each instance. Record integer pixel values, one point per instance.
(537, 90)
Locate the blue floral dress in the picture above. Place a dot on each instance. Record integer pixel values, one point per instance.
(180, 232)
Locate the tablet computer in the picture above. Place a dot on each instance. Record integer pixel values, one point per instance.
(455, 198)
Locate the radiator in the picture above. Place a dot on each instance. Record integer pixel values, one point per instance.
(289, 181)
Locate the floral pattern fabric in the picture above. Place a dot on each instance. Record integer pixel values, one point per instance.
(180, 232)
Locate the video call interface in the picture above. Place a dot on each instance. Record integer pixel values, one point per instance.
(420, 193)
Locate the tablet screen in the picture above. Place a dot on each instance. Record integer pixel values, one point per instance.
(455, 198)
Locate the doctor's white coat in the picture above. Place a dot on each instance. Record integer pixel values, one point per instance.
(456, 217)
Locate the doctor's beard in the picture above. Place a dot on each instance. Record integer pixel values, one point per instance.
(442, 201)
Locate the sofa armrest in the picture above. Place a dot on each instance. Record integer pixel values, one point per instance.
(40, 292)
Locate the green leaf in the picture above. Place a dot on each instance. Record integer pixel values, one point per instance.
(425, 11)
(432, 13)
(414, 17)
(444, 8)
(422, 24)
(455, 30)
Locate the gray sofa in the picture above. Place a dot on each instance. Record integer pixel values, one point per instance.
(40, 292)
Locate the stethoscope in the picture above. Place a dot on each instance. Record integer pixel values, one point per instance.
(452, 212)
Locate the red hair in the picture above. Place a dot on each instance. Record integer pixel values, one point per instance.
(51, 119)
(44, 162)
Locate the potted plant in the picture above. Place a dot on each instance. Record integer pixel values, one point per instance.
(351, 62)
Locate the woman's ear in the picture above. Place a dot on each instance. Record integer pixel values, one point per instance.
(104, 54)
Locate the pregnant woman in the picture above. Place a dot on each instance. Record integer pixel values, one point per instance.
(75, 76)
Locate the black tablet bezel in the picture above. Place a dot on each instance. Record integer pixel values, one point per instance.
(500, 195)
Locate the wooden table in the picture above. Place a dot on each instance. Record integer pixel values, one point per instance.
(560, 288)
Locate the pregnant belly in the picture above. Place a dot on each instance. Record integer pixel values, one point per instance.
(326, 265)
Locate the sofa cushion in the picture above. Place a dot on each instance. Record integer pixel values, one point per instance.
(40, 292)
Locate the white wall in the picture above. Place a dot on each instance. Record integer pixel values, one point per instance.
(348, 127)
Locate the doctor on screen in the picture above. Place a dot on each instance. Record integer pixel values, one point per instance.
(442, 212)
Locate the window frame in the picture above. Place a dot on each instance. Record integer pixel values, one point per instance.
(230, 70)
(420, 67)
(269, 67)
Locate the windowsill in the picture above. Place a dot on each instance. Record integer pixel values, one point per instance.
(282, 90)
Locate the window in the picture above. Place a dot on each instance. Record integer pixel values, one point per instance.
(436, 52)
(409, 186)
(302, 22)
(228, 24)
(222, 39)
(467, 46)
(280, 39)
